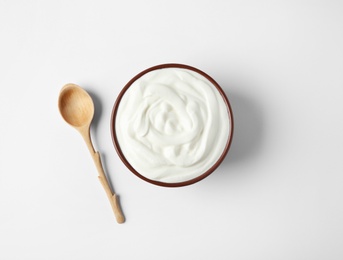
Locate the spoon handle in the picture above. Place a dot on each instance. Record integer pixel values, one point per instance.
(113, 198)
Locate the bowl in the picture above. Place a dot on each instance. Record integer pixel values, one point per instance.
(172, 125)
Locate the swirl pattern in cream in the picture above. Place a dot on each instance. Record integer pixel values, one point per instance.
(172, 125)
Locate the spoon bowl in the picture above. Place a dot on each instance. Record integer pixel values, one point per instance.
(76, 106)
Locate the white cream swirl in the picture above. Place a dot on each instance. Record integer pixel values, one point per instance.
(172, 125)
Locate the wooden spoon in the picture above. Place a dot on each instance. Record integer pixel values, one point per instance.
(77, 109)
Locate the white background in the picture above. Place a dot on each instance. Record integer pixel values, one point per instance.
(277, 195)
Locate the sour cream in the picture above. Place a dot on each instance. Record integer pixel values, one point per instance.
(172, 125)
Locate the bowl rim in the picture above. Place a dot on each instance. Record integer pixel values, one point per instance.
(116, 143)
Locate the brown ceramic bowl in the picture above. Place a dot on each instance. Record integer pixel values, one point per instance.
(126, 162)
